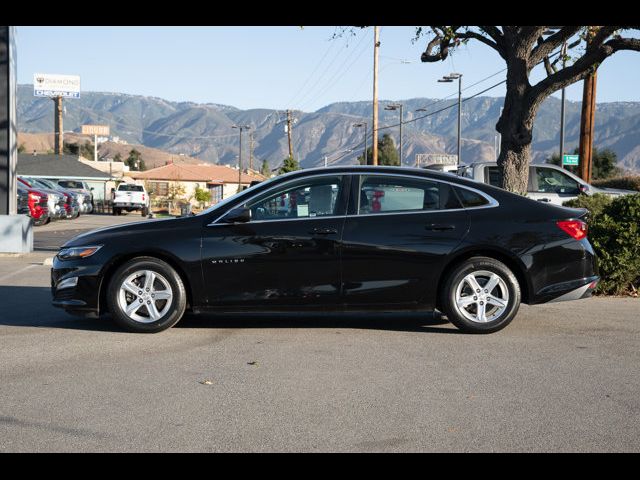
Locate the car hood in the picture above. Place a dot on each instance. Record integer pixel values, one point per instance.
(102, 235)
(613, 191)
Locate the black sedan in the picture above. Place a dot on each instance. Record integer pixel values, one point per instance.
(339, 238)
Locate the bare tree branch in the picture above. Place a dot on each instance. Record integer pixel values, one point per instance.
(547, 46)
(493, 32)
(481, 38)
(581, 68)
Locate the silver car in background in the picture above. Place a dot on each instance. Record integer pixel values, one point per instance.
(86, 196)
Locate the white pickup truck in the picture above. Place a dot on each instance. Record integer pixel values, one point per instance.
(547, 183)
(130, 197)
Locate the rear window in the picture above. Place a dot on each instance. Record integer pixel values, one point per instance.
(70, 184)
(493, 176)
(130, 188)
(471, 199)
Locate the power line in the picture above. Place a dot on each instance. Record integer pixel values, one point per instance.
(331, 44)
(341, 71)
(361, 143)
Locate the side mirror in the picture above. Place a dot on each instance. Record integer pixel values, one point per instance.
(238, 215)
(91, 189)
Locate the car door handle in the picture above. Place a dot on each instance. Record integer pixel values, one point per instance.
(544, 199)
(439, 227)
(323, 231)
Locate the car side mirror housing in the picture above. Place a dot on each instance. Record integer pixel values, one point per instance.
(238, 215)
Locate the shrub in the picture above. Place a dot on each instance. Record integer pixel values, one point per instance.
(594, 203)
(614, 232)
(629, 182)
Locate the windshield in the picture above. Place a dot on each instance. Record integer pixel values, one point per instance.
(237, 196)
(48, 184)
(71, 184)
(36, 182)
(130, 188)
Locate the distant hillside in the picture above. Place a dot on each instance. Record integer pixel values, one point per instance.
(43, 142)
(204, 130)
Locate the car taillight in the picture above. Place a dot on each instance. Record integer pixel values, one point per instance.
(575, 228)
(143, 196)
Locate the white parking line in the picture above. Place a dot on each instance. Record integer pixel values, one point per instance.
(9, 275)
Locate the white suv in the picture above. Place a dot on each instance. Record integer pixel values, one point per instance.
(547, 183)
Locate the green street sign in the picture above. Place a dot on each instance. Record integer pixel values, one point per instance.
(570, 159)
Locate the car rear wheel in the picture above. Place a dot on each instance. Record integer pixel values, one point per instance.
(146, 295)
(481, 295)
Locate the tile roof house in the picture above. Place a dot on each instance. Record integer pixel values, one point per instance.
(222, 181)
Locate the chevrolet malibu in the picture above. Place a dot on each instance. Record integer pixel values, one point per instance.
(336, 239)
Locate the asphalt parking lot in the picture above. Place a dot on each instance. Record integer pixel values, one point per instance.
(561, 377)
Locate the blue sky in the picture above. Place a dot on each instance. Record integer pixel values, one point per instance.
(273, 67)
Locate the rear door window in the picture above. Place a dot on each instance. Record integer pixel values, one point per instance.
(389, 194)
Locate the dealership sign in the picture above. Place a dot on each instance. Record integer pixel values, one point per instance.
(52, 85)
(100, 130)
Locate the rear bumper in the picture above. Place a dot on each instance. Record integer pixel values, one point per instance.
(572, 292)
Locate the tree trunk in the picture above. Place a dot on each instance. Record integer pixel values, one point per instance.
(516, 126)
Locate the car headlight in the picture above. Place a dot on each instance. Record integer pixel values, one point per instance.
(78, 252)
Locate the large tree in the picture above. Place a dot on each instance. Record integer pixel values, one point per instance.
(387, 152)
(522, 48)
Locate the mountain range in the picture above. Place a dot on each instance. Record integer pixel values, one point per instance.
(204, 131)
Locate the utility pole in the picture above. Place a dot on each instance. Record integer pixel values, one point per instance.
(587, 118)
(58, 140)
(289, 122)
(376, 47)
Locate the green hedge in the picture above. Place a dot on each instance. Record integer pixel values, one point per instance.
(614, 232)
(629, 182)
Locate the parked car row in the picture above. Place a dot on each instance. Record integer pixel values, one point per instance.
(45, 199)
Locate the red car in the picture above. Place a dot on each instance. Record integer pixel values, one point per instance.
(36, 203)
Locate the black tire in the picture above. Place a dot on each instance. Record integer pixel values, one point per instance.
(39, 222)
(145, 211)
(448, 295)
(175, 310)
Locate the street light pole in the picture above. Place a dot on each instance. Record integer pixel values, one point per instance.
(448, 79)
(240, 128)
(398, 106)
(363, 124)
(562, 106)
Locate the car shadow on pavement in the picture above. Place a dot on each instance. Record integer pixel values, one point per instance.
(31, 307)
(426, 322)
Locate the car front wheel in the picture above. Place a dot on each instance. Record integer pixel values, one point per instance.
(481, 295)
(146, 295)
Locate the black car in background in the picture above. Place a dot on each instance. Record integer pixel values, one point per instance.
(339, 238)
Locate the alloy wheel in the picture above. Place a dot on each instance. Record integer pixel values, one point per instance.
(145, 296)
(482, 296)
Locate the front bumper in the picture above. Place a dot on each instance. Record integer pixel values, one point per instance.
(83, 298)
